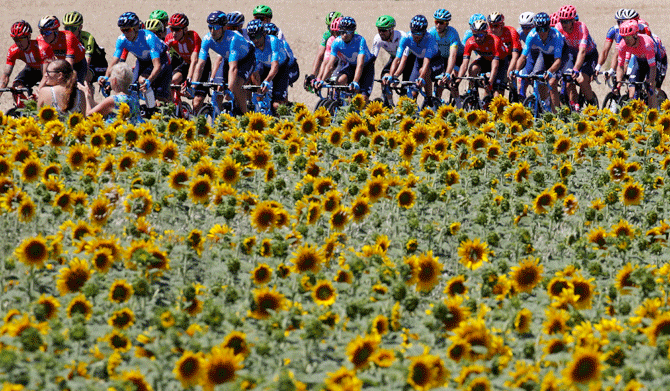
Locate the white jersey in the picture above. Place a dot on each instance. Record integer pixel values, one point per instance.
(390, 46)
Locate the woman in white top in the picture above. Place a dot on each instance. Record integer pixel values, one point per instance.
(60, 90)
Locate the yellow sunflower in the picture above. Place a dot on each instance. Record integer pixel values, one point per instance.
(361, 350)
(189, 368)
(73, 277)
(527, 275)
(473, 253)
(632, 193)
(323, 293)
(266, 300)
(33, 251)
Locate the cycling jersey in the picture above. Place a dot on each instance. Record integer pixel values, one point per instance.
(426, 48)
(349, 51)
(232, 46)
(329, 45)
(390, 46)
(491, 49)
(66, 45)
(145, 47)
(34, 56)
(660, 48)
(272, 51)
(189, 44)
(643, 49)
(288, 51)
(466, 35)
(324, 38)
(446, 42)
(553, 45)
(90, 45)
(579, 37)
(510, 40)
(523, 34)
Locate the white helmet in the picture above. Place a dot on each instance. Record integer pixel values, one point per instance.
(526, 19)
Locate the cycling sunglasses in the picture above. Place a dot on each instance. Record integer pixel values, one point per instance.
(441, 22)
(46, 33)
(126, 30)
(479, 35)
(542, 29)
(383, 31)
(71, 28)
(214, 27)
(418, 33)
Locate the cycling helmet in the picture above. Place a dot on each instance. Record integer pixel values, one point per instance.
(73, 18)
(385, 22)
(442, 14)
(542, 20)
(347, 24)
(496, 17)
(418, 24)
(476, 17)
(619, 15)
(178, 20)
(235, 19)
(526, 19)
(217, 18)
(567, 12)
(628, 28)
(335, 25)
(21, 29)
(631, 14)
(160, 15)
(263, 10)
(332, 16)
(479, 26)
(155, 26)
(255, 27)
(49, 22)
(271, 29)
(128, 19)
(553, 19)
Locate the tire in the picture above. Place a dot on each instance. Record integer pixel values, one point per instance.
(470, 103)
(208, 112)
(583, 102)
(529, 103)
(14, 113)
(486, 101)
(186, 110)
(320, 103)
(623, 100)
(332, 106)
(611, 102)
(662, 97)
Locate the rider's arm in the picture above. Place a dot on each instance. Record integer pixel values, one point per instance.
(115, 60)
(360, 62)
(156, 69)
(606, 50)
(191, 66)
(316, 66)
(328, 68)
(451, 62)
(232, 72)
(4, 79)
(555, 66)
(423, 72)
(464, 66)
(495, 64)
(199, 67)
(394, 65)
(274, 68)
(521, 61)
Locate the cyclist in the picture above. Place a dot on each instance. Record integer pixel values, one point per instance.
(321, 52)
(553, 19)
(293, 67)
(264, 13)
(525, 25)
(335, 33)
(429, 62)
(153, 68)
(352, 50)
(237, 57)
(95, 54)
(450, 47)
(236, 23)
(36, 54)
(388, 38)
(509, 38)
(542, 55)
(490, 50)
(468, 33)
(187, 44)
(271, 63)
(64, 44)
(580, 55)
(638, 53)
(613, 35)
(162, 16)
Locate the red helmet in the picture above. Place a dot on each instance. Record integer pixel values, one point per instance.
(21, 29)
(567, 12)
(178, 21)
(553, 20)
(628, 28)
(335, 24)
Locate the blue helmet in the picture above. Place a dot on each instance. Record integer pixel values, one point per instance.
(442, 14)
(271, 29)
(542, 19)
(128, 19)
(476, 17)
(217, 18)
(255, 27)
(348, 24)
(235, 19)
(418, 24)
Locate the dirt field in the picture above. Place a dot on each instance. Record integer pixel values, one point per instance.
(303, 22)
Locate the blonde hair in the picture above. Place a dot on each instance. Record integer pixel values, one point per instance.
(123, 75)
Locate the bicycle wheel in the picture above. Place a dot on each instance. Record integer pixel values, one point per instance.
(611, 102)
(208, 112)
(662, 97)
(530, 103)
(186, 110)
(320, 103)
(332, 106)
(623, 100)
(470, 103)
(486, 101)
(14, 112)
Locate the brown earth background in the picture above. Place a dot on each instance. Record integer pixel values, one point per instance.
(303, 22)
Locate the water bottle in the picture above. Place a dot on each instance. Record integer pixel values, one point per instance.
(150, 98)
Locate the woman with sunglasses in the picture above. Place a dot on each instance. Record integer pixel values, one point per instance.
(490, 50)
(60, 90)
(637, 53)
(36, 54)
(542, 55)
(65, 45)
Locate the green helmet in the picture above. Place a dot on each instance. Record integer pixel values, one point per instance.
(385, 22)
(154, 25)
(73, 18)
(263, 10)
(332, 16)
(160, 15)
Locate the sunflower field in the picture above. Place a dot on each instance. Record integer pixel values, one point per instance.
(381, 249)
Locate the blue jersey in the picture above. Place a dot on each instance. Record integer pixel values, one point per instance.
(426, 48)
(232, 46)
(273, 50)
(523, 34)
(145, 47)
(288, 50)
(467, 34)
(450, 39)
(349, 51)
(553, 45)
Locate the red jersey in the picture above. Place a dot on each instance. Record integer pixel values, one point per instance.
(34, 57)
(67, 45)
(190, 44)
(491, 49)
(510, 40)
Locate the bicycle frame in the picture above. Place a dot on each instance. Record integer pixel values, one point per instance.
(538, 101)
(262, 102)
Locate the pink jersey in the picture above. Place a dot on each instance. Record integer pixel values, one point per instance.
(579, 37)
(644, 48)
(329, 43)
